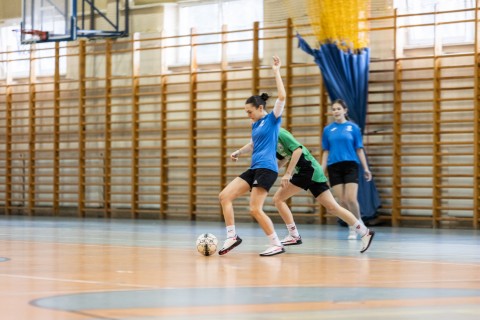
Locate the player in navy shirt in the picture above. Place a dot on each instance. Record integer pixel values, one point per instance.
(342, 153)
(263, 170)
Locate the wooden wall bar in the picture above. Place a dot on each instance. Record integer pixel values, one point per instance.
(123, 129)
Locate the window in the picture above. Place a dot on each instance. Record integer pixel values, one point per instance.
(210, 17)
(452, 33)
(11, 49)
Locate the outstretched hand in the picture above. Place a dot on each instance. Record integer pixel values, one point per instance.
(276, 63)
(234, 155)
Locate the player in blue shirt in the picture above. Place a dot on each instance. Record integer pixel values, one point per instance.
(342, 153)
(263, 170)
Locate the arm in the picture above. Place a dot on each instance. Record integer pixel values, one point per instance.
(245, 149)
(324, 161)
(363, 161)
(282, 162)
(291, 166)
(280, 103)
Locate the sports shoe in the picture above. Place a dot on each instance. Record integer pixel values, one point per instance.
(291, 240)
(367, 240)
(229, 244)
(273, 250)
(352, 235)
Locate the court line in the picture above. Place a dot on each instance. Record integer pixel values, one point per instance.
(133, 286)
(77, 281)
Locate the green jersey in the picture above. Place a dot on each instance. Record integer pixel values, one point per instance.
(287, 144)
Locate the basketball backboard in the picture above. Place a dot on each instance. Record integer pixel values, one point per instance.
(65, 20)
(56, 18)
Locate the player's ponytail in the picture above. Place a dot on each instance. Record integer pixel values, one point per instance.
(258, 101)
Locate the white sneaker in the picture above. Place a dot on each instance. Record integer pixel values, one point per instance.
(291, 240)
(229, 244)
(352, 235)
(367, 240)
(273, 250)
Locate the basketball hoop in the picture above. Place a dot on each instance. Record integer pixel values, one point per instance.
(35, 36)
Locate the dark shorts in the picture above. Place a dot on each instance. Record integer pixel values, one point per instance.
(264, 178)
(343, 172)
(303, 180)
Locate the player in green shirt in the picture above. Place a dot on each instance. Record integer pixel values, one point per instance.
(304, 172)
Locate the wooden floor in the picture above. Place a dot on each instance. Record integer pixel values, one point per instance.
(67, 268)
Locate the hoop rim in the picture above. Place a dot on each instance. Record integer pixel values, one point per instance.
(43, 35)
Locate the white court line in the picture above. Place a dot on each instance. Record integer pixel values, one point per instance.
(77, 281)
(364, 256)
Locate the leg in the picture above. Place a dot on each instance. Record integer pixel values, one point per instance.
(233, 190)
(345, 193)
(327, 200)
(351, 201)
(355, 225)
(282, 194)
(280, 198)
(257, 199)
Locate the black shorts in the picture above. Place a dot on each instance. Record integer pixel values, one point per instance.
(303, 180)
(264, 178)
(343, 172)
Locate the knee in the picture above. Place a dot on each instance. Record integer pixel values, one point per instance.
(277, 201)
(351, 202)
(255, 212)
(332, 207)
(342, 202)
(223, 197)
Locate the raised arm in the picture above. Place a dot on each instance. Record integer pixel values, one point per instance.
(280, 103)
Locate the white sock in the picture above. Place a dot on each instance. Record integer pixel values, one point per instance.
(231, 231)
(274, 241)
(360, 228)
(292, 230)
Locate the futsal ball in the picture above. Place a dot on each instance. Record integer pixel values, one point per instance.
(207, 244)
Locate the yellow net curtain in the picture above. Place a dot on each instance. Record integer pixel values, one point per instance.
(341, 21)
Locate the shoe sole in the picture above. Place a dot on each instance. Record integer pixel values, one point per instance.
(369, 242)
(273, 254)
(292, 244)
(222, 252)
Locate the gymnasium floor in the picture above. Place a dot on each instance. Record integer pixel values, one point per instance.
(67, 268)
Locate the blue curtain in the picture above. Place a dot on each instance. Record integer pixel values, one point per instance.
(345, 75)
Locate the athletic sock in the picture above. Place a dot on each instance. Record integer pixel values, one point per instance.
(360, 228)
(292, 230)
(274, 241)
(231, 231)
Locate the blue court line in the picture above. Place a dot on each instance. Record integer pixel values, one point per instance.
(197, 297)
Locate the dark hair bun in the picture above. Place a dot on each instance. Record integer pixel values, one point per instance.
(264, 96)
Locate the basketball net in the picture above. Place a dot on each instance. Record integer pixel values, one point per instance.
(21, 48)
(343, 22)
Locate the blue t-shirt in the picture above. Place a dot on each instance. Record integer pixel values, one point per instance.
(264, 138)
(342, 141)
